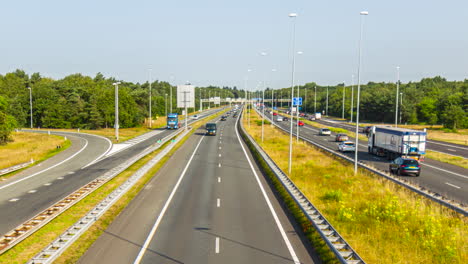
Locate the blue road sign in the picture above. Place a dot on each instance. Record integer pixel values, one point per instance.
(297, 101)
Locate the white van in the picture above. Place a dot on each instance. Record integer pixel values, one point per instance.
(279, 119)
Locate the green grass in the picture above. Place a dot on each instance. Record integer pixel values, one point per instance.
(442, 157)
(32, 245)
(377, 217)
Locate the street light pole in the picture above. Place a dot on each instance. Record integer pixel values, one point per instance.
(30, 105)
(401, 104)
(293, 16)
(397, 92)
(297, 106)
(363, 13)
(352, 96)
(327, 103)
(315, 100)
(165, 100)
(150, 115)
(170, 95)
(344, 87)
(116, 123)
(263, 98)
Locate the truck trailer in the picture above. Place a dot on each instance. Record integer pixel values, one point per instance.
(394, 142)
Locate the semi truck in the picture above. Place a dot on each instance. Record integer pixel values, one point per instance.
(172, 121)
(392, 142)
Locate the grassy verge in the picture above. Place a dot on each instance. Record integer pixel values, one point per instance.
(29, 247)
(27, 146)
(383, 222)
(454, 160)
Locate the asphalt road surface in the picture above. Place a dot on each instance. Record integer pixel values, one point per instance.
(448, 180)
(207, 204)
(444, 147)
(31, 192)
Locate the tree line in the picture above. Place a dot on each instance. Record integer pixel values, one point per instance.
(430, 101)
(85, 102)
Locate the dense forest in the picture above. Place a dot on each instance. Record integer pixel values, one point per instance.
(78, 101)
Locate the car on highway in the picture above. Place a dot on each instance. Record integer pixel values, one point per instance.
(275, 114)
(223, 118)
(402, 166)
(302, 114)
(300, 123)
(366, 129)
(347, 146)
(341, 137)
(195, 117)
(210, 129)
(285, 118)
(279, 119)
(324, 132)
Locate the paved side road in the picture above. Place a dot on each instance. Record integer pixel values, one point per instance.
(220, 212)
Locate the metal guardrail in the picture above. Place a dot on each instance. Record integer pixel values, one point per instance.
(342, 250)
(13, 237)
(449, 203)
(27, 228)
(16, 167)
(57, 247)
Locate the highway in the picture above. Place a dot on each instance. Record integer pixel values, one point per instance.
(444, 147)
(208, 204)
(448, 180)
(32, 191)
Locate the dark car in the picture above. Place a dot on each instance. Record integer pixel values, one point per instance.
(223, 118)
(285, 118)
(401, 166)
(366, 129)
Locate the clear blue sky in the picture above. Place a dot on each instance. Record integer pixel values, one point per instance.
(215, 41)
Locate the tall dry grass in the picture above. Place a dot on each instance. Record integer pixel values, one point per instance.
(384, 223)
(27, 146)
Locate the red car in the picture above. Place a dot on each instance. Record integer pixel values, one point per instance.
(275, 114)
(300, 123)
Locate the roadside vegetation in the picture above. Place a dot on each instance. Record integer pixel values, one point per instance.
(26, 146)
(32, 245)
(383, 222)
(454, 160)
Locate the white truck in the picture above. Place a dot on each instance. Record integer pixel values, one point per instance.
(394, 142)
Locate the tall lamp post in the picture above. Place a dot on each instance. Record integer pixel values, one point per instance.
(297, 106)
(352, 96)
(344, 92)
(263, 98)
(116, 123)
(327, 103)
(170, 94)
(401, 104)
(30, 105)
(397, 92)
(363, 13)
(315, 99)
(150, 115)
(293, 16)
(165, 103)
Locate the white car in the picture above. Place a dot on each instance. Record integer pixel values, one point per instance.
(195, 117)
(324, 132)
(347, 146)
(279, 119)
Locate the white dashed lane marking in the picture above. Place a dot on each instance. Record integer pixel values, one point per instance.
(32, 191)
(13, 200)
(47, 184)
(453, 185)
(217, 245)
(219, 179)
(218, 202)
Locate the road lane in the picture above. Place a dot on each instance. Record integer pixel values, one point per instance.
(21, 201)
(434, 174)
(217, 215)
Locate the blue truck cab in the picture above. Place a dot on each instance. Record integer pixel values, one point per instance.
(172, 121)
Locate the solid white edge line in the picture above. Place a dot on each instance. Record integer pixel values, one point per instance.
(452, 146)
(434, 167)
(102, 155)
(166, 205)
(60, 163)
(453, 185)
(270, 206)
(217, 245)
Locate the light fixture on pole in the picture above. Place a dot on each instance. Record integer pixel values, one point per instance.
(363, 13)
(116, 123)
(401, 105)
(165, 100)
(293, 16)
(397, 92)
(30, 105)
(170, 94)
